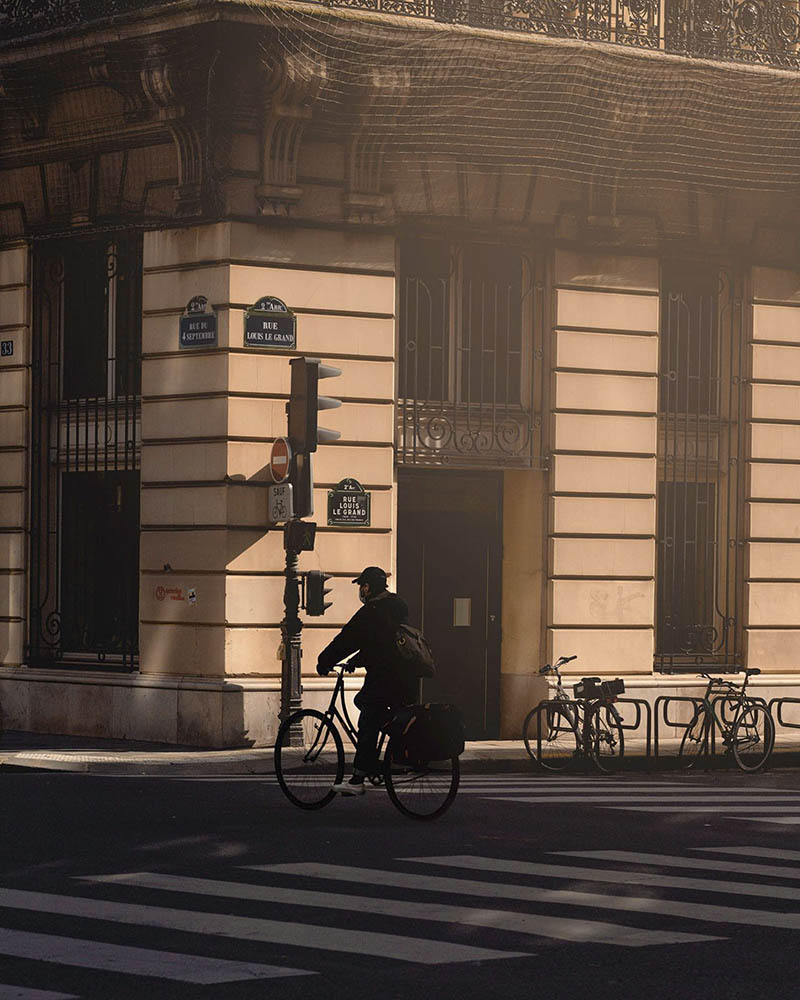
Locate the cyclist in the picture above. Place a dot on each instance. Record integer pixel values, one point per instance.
(372, 631)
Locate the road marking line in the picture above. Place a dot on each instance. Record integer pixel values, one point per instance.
(786, 820)
(541, 925)
(87, 954)
(672, 861)
(623, 876)
(714, 804)
(764, 852)
(26, 993)
(301, 935)
(730, 810)
(567, 897)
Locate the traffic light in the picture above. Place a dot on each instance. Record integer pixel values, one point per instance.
(305, 402)
(315, 592)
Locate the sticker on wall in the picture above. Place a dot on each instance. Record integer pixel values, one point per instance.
(191, 595)
(270, 323)
(173, 593)
(198, 325)
(349, 505)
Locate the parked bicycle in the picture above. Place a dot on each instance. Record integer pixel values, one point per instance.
(561, 729)
(309, 759)
(744, 724)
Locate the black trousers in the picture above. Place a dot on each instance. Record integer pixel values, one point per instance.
(377, 704)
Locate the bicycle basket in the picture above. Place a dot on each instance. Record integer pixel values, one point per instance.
(612, 689)
(588, 687)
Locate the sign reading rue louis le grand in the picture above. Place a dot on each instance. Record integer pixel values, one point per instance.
(270, 323)
(349, 505)
(198, 325)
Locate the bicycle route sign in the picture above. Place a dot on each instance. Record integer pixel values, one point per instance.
(349, 505)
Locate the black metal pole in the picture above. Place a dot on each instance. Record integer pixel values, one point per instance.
(291, 629)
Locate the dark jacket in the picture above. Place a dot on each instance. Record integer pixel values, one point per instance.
(371, 630)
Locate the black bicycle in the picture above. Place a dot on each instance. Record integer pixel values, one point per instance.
(744, 723)
(561, 729)
(310, 757)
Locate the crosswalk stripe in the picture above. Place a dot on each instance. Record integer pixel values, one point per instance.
(764, 852)
(785, 820)
(473, 863)
(408, 949)
(728, 810)
(26, 993)
(541, 925)
(793, 800)
(671, 861)
(88, 954)
(568, 897)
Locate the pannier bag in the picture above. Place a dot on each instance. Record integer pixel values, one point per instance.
(422, 733)
(594, 687)
(414, 652)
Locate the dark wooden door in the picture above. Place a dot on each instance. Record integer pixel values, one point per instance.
(448, 567)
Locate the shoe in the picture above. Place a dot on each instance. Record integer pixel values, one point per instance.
(355, 786)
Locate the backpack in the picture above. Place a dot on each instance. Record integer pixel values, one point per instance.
(414, 654)
(422, 733)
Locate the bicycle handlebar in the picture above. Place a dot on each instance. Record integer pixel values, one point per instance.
(559, 663)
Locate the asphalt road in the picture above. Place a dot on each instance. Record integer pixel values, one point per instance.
(666, 886)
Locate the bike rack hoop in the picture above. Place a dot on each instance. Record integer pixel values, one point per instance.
(642, 707)
(778, 716)
(660, 708)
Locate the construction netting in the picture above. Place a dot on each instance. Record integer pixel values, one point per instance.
(609, 113)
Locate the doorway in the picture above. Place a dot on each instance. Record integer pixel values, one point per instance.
(449, 561)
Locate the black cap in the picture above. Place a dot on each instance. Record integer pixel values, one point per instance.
(374, 576)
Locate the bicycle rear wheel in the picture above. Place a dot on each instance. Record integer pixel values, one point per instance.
(559, 739)
(753, 737)
(693, 739)
(606, 744)
(307, 771)
(422, 792)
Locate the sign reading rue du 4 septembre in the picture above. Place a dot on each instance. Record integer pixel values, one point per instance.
(270, 323)
(198, 325)
(349, 505)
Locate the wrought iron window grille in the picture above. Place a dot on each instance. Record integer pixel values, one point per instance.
(701, 446)
(85, 451)
(471, 359)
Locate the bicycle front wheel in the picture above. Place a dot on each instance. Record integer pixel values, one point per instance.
(606, 744)
(309, 758)
(693, 740)
(559, 740)
(424, 791)
(753, 737)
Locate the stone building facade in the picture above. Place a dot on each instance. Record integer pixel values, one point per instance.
(572, 390)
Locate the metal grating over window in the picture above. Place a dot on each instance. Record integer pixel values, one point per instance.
(701, 449)
(85, 449)
(471, 357)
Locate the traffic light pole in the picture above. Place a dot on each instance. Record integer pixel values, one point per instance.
(291, 629)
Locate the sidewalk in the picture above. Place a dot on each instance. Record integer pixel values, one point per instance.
(117, 757)
(33, 751)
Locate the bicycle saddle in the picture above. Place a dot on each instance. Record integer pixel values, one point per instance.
(752, 671)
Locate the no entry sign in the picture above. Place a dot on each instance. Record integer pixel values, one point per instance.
(279, 460)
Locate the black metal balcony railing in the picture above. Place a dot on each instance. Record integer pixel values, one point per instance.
(754, 31)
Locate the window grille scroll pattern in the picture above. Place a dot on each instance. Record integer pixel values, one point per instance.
(470, 356)
(700, 531)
